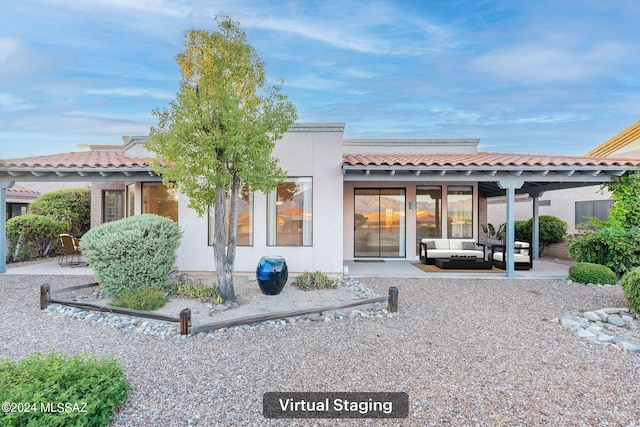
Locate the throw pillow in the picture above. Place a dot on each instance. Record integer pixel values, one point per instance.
(468, 246)
(431, 244)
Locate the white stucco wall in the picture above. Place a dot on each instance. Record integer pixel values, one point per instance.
(310, 150)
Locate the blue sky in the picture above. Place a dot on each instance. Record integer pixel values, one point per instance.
(530, 76)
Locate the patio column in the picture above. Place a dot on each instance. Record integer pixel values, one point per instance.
(535, 226)
(510, 184)
(4, 184)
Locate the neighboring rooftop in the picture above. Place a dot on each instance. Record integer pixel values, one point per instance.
(618, 142)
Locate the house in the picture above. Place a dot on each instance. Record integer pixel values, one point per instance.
(18, 200)
(575, 204)
(344, 199)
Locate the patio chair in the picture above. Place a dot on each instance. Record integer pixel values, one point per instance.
(522, 256)
(70, 253)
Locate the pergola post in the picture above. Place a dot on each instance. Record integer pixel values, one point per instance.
(4, 184)
(510, 185)
(535, 226)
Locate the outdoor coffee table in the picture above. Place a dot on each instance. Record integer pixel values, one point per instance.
(463, 263)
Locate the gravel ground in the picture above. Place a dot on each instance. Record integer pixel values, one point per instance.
(467, 352)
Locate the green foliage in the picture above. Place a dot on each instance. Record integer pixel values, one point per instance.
(586, 272)
(143, 298)
(631, 288)
(614, 242)
(220, 132)
(617, 248)
(551, 229)
(34, 233)
(495, 233)
(72, 206)
(522, 229)
(625, 212)
(132, 252)
(194, 289)
(56, 379)
(313, 281)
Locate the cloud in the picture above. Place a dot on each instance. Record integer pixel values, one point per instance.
(159, 7)
(552, 59)
(131, 92)
(9, 102)
(17, 61)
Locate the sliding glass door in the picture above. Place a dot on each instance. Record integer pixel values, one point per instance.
(379, 220)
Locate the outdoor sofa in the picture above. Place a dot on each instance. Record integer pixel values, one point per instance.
(432, 249)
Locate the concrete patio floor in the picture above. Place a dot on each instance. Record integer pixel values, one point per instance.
(542, 269)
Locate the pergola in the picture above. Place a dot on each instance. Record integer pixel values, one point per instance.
(497, 174)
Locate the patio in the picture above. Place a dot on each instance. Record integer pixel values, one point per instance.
(542, 269)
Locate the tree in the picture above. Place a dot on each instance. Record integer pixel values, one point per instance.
(219, 133)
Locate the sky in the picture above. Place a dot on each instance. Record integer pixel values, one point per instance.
(527, 76)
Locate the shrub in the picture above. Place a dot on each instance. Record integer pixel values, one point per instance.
(193, 289)
(35, 233)
(631, 288)
(132, 252)
(143, 298)
(551, 229)
(54, 379)
(586, 272)
(72, 206)
(311, 281)
(617, 248)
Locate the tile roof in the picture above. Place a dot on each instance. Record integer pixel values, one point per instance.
(21, 189)
(82, 159)
(621, 140)
(480, 159)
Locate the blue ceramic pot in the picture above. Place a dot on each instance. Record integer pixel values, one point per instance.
(272, 274)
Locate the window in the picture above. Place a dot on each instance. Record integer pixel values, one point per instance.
(131, 200)
(289, 213)
(428, 213)
(160, 200)
(112, 205)
(244, 236)
(596, 208)
(460, 212)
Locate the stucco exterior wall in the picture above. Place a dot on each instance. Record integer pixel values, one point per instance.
(306, 151)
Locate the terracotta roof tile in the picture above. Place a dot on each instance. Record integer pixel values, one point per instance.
(83, 159)
(21, 189)
(480, 159)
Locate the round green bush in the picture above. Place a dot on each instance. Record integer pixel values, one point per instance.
(72, 206)
(586, 272)
(132, 252)
(35, 233)
(631, 288)
(93, 387)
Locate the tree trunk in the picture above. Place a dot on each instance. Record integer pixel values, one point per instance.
(233, 232)
(219, 246)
